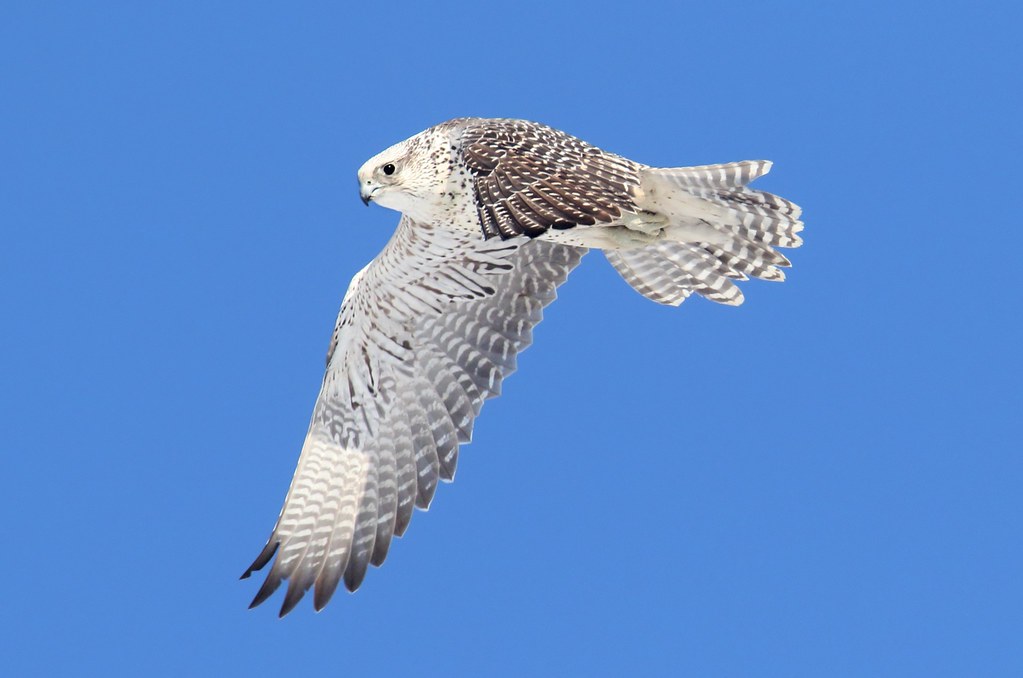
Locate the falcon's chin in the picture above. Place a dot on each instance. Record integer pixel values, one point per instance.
(395, 198)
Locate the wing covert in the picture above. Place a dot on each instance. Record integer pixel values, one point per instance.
(529, 178)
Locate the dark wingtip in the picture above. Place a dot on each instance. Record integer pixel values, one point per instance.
(325, 588)
(380, 549)
(355, 573)
(262, 559)
(295, 593)
(273, 580)
(404, 517)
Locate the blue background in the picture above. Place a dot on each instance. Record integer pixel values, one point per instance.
(825, 481)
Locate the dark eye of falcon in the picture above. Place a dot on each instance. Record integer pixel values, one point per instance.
(388, 169)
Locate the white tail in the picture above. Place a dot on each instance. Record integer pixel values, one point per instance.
(718, 231)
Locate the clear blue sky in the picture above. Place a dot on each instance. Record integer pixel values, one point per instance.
(823, 482)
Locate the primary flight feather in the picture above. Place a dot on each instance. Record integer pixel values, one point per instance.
(496, 213)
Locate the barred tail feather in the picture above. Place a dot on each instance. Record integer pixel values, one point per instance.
(651, 275)
(668, 272)
(717, 195)
(719, 230)
(727, 175)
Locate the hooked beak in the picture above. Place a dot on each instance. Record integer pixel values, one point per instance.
(365, 195)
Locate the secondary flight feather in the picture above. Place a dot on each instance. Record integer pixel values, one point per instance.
(495, 215)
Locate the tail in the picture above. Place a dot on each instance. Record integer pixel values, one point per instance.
(718, 231)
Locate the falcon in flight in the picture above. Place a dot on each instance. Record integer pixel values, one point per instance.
(495, 214)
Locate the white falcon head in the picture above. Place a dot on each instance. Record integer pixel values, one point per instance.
(411, 175)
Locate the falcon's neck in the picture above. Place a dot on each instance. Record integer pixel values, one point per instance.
(451, 205)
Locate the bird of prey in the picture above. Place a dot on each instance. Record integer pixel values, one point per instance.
(495, 215)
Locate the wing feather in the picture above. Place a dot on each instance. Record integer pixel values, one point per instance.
(426, 333)
(387, 487)
(425, 445)
(528, 178)
(404, 450)
(365, 533)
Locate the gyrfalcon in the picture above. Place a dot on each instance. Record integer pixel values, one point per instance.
(496, 213)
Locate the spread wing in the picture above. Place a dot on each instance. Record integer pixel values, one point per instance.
(425, 334)
(528, 178)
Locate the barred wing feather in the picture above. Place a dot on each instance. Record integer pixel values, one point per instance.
(425, 334)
